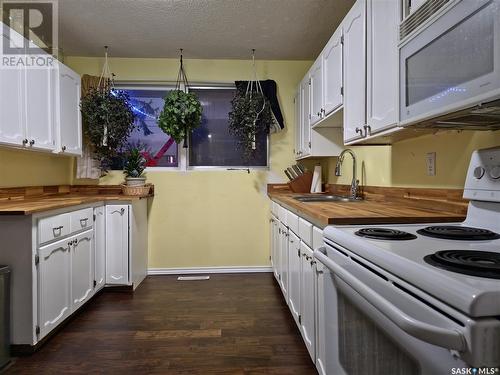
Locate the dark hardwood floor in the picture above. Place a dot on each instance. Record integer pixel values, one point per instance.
(231, 324)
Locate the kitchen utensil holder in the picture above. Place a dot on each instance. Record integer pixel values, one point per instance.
(301, 184)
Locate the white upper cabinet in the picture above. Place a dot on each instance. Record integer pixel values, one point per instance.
(316, 92)
(354, 72)
(40, 108)
(68, 111)
(382, 64)
(332, 73)
(305, 109)
(11, 107)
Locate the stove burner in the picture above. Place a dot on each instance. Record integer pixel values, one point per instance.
(385, 234)
(455, 232)
(468, 262)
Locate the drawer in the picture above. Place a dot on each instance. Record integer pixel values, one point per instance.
(53, 228)
(305, 231)
(317, 238)
(292, 221)
(82, 219)
(282, 215)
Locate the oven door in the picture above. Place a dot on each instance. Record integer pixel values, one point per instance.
(452, 64)
(365, 333)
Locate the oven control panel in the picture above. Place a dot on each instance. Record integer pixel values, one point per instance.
(483, 176)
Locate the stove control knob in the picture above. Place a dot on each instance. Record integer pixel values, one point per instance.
(479, 172)
(495, 172)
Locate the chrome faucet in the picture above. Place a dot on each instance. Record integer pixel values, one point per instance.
(338, 171)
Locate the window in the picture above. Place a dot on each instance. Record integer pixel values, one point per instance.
(211, 145)
(147, 104)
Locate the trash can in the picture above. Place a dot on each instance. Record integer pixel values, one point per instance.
(4, 315)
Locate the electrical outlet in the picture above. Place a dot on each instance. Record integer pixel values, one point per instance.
(431, 163)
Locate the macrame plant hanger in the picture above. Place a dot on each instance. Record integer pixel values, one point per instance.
(106, 84)
(254, 87)
(182, 84)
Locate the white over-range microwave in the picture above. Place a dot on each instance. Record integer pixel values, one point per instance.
(450, 65)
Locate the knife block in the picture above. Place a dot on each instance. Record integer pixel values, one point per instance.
(301, 184)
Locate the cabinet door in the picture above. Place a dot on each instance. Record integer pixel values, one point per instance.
(307, 300)
(82, 268)
(40, 108)
(54, 283)
(117, 244)
(294, 276)
(316, 80)
(276, 232)
(382, 64)
(69, 121)
(100, 247)
(320, 320)
(284, 260)
(305, 107)
(332, 73)
(354, 72)
(298, 124)
(11, 107)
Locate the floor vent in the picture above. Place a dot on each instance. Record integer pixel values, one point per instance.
(193, 278)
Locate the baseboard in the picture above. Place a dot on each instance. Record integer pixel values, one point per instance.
(207, 270)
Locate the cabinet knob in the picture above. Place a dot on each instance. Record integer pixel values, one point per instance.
(63, 148)
(360, 131)
(25, 141)
(32, 142)
(122, 211)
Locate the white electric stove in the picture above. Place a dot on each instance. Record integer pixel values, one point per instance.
(432, 290)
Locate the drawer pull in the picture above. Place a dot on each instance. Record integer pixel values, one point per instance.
(84, 221)
(58, 228)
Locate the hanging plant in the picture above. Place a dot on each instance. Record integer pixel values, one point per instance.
(108, 120)
(107, 117)
(181, 114)
(182, 110)
(250, 116)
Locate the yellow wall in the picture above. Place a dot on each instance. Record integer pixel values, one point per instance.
(24, 168)
(210, 218)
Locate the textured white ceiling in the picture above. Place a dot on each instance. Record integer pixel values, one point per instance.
(277, 29)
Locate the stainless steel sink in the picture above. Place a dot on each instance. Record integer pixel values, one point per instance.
(326, 198)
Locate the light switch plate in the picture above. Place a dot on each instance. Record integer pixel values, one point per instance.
(431, 163)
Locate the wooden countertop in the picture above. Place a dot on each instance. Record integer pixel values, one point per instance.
(396, 211)
(52, 198)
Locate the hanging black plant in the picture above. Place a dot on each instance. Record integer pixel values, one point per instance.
(251, 115)
(108, 118)
(182, 110)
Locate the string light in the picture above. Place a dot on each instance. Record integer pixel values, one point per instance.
(137, 110)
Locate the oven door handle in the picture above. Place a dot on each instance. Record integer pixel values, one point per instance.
(446, 338)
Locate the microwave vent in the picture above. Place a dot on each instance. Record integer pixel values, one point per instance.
(422, 14)
(481, 117)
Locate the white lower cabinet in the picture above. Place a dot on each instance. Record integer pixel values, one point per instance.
(283, 268)
(294, 275)
(82, 268)
(62, 258)
(320, 321)
(117, 243)
(100, 247)
(307, 300)
(297, 276)
(54, 285)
